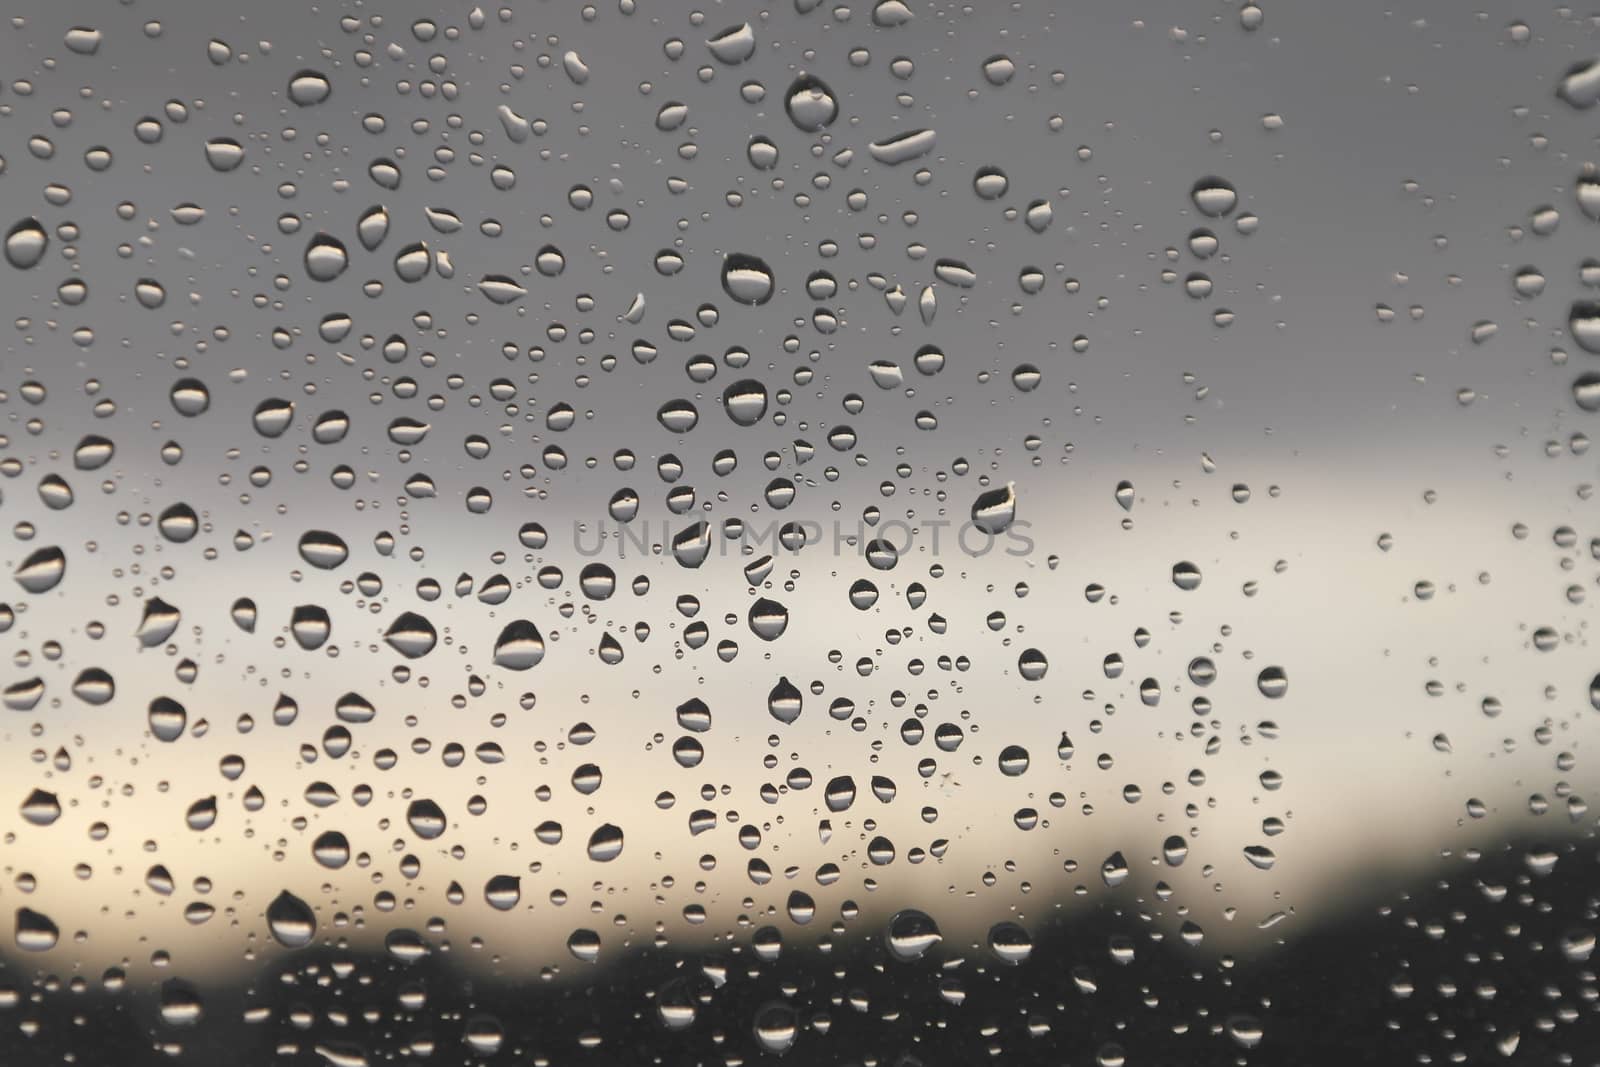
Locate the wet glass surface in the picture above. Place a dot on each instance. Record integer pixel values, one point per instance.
(879, 534)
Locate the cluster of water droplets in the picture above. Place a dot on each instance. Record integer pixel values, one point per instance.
(398, 532)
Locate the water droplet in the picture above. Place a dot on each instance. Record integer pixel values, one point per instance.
(411, 635)
(999, 70)
(1013, 761)
(1273, 682)
(747, 279)
(762, 153)
(810, 104)
(768, 619)
(426, 819)
(331, 850)
(503, 892)
(35, 932)
(202, 814)
(1586, 391)
(158, 622)
(1583, 322)
(776, 1027)
(1214, 197)
(995, 509)
(190, 397)
(584, 945)
(323, 549)
(291, 920)
(181, 1005)
(1580, 85)
(26, 242)
(41, 808)
(678, 416)
(326, 258)
(733, 45)
(1032, 665)
(1260, 857)
(308, 88)
(990, 183)
(224, 154)
(42, 570)
(500, 289)
(910, 934)
(1578, 945)
(1245, 1030)
(83, 40)
(903, 147)
(412, 263)
(784, 702)
(519, 646)
(676, 1005)
(272, 417)
(745, 401)
(1174, 850)
(1010, 943)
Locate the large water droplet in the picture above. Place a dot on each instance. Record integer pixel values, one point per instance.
(326, 258)
(1010, 943)
(605, 844)
(224, 154)
(426, 819)
(519, 646)
(35, 932)
(1583, 322)
(42, 570)
(910, 934)
(810, 104)
(1273, 682)
(776, 1027)
(308, 88)
(784, 702)
(41, 808)
(1213, 196)
(291, 920)
(995, 509)
(733, 45)
(500, 289)
(745, 401)
(768, 619)
(503, 892)
(411, 635)
(903, 147)
(584, 945)
(747, 279)
(26, 242)
(1580, 85)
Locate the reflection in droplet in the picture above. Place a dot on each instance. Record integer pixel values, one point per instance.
(308, 88)
(26, 242)
(291, 920)
(810, 104)
(605, 844)
(1213, 196)
(747, 279)
(910, 934)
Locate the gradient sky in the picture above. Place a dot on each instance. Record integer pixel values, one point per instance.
(1343, 428)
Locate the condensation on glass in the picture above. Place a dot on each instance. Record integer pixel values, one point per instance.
(889, 533)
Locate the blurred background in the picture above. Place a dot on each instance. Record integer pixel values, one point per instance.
(1213, 374)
